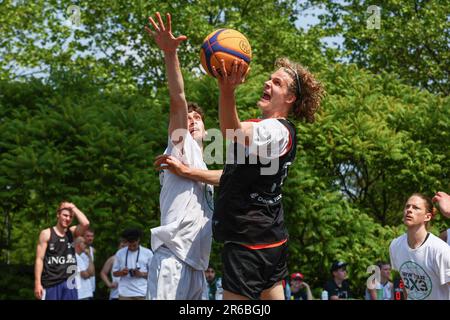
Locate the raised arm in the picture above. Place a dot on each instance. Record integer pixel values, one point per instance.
(228, 116)
(166, 41)
(83, 222)
(44, 237)
(167, 162)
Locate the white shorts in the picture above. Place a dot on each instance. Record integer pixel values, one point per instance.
(169, 278)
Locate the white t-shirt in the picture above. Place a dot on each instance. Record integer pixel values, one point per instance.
(186, 210)
(92, 279)
(425, 271)
(270, 139)
(84, 287)
(132, 286)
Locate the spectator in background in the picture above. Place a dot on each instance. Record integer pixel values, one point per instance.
(107, 268)
(89, 238)
(338, 287)
(300, 290)
(383, 289)
(215, 291)
(131, 266)
(85, 269)
(421, 258)
(55, 255)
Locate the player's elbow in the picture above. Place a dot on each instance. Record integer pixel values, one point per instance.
(85, 224)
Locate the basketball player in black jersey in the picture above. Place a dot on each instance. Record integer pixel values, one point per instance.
(55, 265)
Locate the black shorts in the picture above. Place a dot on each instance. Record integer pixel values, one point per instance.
(249, 272)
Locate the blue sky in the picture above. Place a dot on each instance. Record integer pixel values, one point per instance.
(310, 18)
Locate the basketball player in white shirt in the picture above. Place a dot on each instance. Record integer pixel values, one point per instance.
(422, 259)
(182, 243)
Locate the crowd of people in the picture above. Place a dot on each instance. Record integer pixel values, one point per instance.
(246, 215)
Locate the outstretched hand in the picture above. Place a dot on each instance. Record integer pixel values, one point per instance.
(237, 75)
(162, 34)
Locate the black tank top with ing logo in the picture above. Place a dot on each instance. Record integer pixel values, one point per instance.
(59, 260)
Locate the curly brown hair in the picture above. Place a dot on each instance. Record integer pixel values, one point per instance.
(311, 90)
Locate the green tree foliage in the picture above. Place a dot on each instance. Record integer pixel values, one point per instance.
(90, 147)
(411, 41)
(110, 40)
(16, 282)
(377, 137)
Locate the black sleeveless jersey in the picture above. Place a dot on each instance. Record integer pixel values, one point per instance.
(248, 207)
(58, 259)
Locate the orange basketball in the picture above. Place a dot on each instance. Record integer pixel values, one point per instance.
(226, 44)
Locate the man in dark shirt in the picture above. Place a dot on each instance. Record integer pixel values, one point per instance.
(338, 288)
(55, 264)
